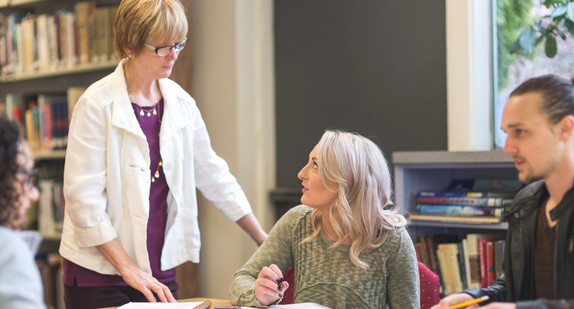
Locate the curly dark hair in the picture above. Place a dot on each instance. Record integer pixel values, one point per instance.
(10, 147)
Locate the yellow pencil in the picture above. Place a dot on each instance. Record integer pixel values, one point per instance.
(470, 302)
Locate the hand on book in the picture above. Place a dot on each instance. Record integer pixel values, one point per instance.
(148, 285)
(270, 285)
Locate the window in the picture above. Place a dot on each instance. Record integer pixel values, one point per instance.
(510, 69)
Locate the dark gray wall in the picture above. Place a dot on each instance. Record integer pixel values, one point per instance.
(376, 67)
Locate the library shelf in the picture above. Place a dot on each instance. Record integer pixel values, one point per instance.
(53, 155)
(78, 69)
(14, 3)
(434, 170)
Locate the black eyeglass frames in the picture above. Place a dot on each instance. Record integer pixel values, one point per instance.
(163, 51)
(31, 179)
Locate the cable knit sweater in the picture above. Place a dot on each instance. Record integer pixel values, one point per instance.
(327, 276)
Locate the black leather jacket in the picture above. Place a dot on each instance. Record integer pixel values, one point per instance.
(516, 283)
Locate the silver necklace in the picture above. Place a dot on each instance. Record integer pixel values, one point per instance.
(148, 113)
(143, 113)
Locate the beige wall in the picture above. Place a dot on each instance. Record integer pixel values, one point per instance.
(233, 83)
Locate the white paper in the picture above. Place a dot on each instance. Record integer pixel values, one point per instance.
(301, 306)
(143, 305)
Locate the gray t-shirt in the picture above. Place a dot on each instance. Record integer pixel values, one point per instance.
(20, 281)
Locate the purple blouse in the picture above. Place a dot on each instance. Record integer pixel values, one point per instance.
(75, 275)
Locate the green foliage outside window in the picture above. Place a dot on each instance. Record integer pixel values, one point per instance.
(534, 37)
(547, 29)
(511, 18)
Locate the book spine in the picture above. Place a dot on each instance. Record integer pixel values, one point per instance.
(462, 200)
(474, 261)
(466, 258)
(483, 267)
(448, 258)
(424, 251)
(462, 266)
(459, 210)
(83, 29)
(433, 259)
(498, 257)
(508, 195)
(490, 277)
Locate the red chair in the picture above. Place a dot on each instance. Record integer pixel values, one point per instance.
(289, 276)
(430, 287)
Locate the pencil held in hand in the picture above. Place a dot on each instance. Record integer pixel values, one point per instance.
(470, 302)
(280, 283)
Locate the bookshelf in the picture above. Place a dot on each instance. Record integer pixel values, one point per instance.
(58, 78)
(434, 170)
(46, 48)
(49, 75)
(12, 3)
(452, 249)
(86, 68)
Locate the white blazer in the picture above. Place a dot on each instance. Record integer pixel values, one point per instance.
(107, 177)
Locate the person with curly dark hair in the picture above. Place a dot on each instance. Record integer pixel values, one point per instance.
(20, 281)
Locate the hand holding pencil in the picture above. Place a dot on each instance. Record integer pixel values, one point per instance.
(270, 285)
(459, 300)
(470, 302)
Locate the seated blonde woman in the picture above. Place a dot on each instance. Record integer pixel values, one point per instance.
(347, 244)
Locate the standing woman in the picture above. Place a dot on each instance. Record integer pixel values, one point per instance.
(348, 247)
(20, 281)
(137, 150)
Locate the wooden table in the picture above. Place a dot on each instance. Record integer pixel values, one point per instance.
(214, 301)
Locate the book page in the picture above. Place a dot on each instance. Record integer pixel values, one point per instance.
(144, 305)
(290, 306)
(300, 306)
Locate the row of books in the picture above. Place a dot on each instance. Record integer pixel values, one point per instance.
(51, 42)
(44, 117)
(46, 215)
(474, 262)
(469, 205)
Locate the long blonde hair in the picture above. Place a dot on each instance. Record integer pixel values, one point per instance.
(356, 169)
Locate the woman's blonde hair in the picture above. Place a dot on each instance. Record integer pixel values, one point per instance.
(355, 168)
(139, 20)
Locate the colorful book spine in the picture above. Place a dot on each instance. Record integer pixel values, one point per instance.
(490, 275)
(433, 260)
(462, 266)
(465, 200)
(483, 267)
(503, 194)
(498, 257)
(474, 261)
(459, 210)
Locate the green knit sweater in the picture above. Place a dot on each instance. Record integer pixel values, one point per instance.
(327, 276)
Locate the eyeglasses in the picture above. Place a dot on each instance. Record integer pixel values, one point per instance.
(31, 180)
(163, 51)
